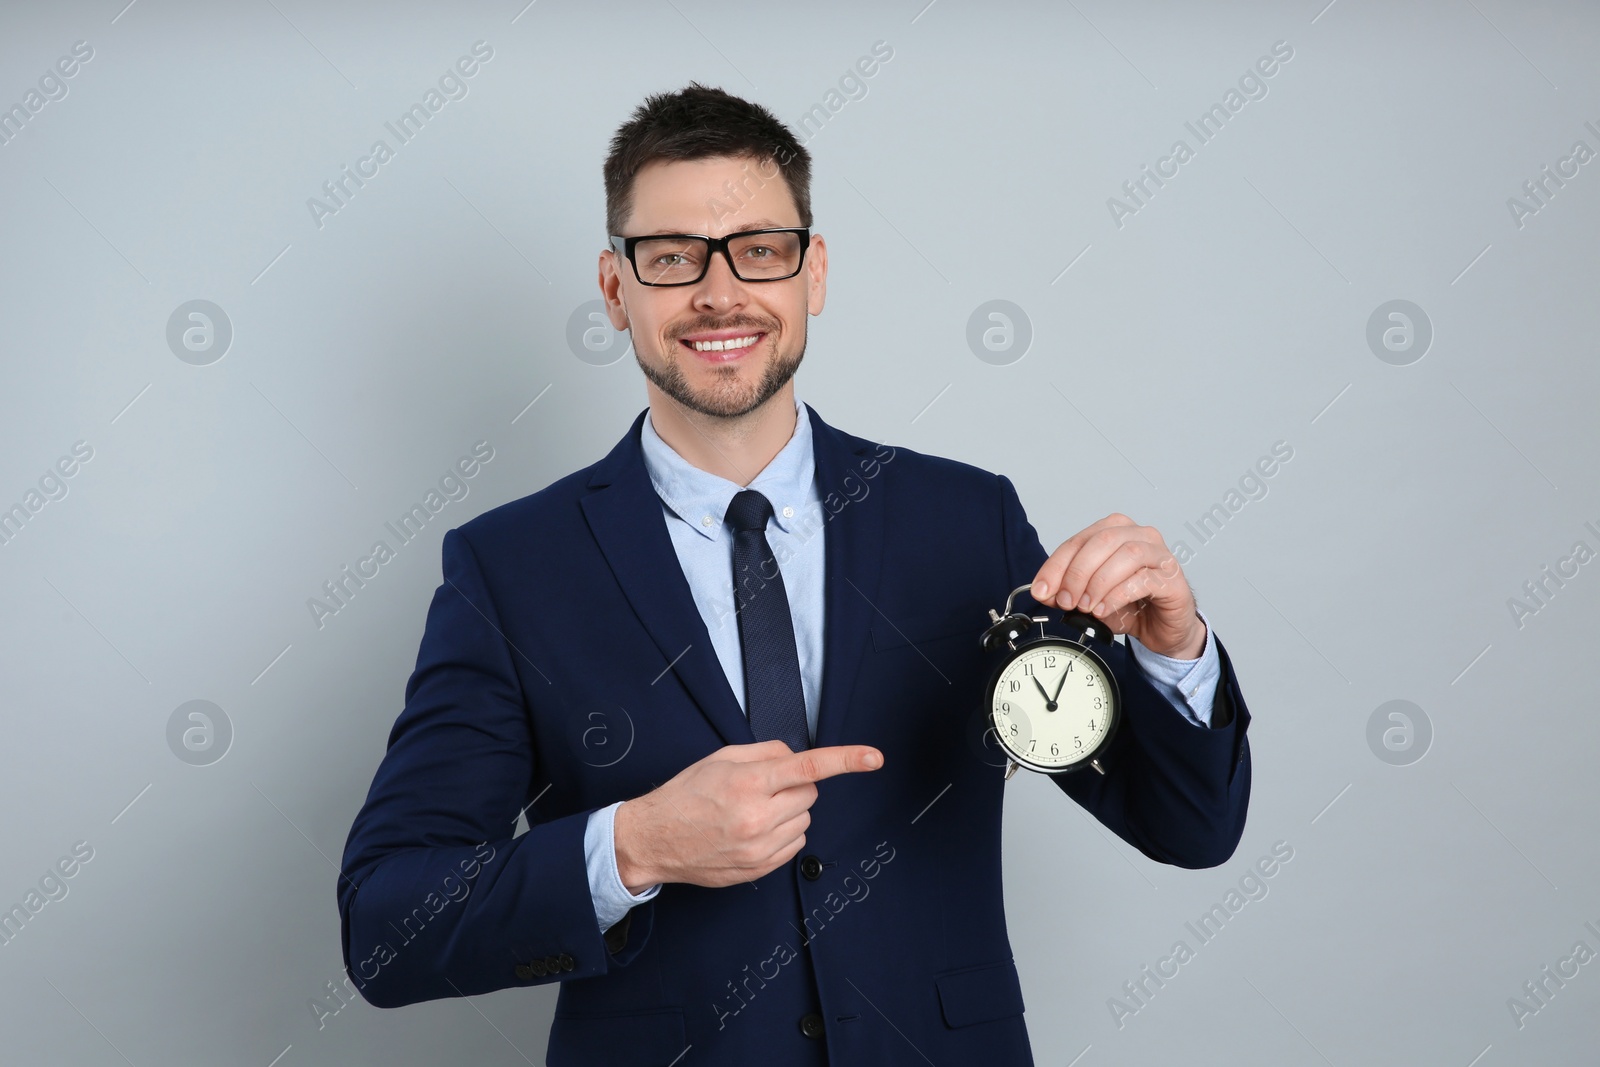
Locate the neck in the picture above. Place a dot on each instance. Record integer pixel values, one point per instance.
(737, 448)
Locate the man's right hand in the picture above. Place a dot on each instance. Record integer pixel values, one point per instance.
(731, 817)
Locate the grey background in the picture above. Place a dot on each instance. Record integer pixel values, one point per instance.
(1229, 313)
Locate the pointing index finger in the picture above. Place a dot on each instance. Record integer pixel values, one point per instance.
(815, 764)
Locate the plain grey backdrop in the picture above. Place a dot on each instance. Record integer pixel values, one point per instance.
(1157, 340)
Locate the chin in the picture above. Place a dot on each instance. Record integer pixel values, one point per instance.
(727, 403)
(726, 391)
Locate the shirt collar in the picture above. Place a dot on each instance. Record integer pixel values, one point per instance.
(701, 498)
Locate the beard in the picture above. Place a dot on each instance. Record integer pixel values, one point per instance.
(729, 396)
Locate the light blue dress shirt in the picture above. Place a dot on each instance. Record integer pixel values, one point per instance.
(694, 502)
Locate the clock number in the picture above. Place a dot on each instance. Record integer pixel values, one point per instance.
(1027, 669)
(1015, 686)
(1075, 741)
(1031, 742)
(1055, 750)
(1013, 729)
(1049, 661)
(1096, 703)
(1005, 707)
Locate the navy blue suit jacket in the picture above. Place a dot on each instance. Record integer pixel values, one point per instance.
(566, 612)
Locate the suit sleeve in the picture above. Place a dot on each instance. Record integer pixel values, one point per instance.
(436, 898)
(1176, 793)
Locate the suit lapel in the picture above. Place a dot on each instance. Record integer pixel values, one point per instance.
(629, 525)
(852, 503)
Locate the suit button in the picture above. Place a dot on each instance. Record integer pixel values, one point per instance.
(552, 964)
(524, 972)
(566, 961)
(811, 867)
(538, 968)
(811, 1025)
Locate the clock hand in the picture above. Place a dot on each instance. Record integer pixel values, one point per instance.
(1060, 687)
(1049, 701)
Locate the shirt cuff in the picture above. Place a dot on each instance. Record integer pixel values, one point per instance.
(1190, 684)
(611, 898)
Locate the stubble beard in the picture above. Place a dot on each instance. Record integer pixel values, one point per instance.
(728, 397)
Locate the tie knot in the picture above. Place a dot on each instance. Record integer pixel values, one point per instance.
(749, 511)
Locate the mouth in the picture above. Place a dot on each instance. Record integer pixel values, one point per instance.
(723, 349)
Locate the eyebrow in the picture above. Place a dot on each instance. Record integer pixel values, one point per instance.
(753, 224)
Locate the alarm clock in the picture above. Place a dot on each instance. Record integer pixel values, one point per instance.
(1053, 703)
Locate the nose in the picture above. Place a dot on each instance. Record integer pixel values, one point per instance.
(719, 291)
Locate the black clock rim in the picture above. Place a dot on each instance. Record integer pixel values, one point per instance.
(1105, 670)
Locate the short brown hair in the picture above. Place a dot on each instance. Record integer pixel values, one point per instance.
(698, 122)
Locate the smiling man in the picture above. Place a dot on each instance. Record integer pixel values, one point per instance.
(730, 673)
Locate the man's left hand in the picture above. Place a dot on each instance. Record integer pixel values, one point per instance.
(1124, 574)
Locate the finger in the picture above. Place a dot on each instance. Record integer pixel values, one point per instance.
(793, 836)
(757, 850)
(1123, 563)
(1149, 585)
(815, 764)
(775, 848)
(787, 803)
(760, 750)
(785, 833)
(1101, 546)
(1160, 582)
(1051, 571)
(1047, 583)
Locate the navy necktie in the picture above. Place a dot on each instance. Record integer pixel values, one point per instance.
(773, 698)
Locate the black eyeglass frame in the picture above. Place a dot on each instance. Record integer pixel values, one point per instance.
(716, 244)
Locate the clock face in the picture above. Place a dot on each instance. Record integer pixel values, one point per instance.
(1053, 706)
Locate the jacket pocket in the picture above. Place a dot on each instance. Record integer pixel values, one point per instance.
(980, 994)
(641, 1039)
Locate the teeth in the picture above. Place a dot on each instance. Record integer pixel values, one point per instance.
(723, 346)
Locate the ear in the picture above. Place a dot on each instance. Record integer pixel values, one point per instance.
(817, 275)
(611, 289)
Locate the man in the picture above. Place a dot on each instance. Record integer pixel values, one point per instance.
(731, 675)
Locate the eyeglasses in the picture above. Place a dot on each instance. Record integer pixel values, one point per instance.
(682, 258)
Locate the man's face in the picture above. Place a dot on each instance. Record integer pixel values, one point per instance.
(693, 197)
